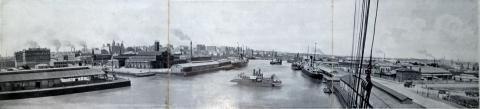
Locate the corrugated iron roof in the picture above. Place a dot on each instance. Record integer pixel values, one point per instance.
(49, 75)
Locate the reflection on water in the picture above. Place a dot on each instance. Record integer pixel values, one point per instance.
(208, 90)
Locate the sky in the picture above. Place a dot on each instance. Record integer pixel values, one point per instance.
(405, 28)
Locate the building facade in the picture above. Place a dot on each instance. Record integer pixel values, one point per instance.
(31, 57)
(405, 74)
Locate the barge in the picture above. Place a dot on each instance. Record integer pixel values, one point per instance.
(188, 69)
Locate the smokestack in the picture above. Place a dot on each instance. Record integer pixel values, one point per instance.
(191, 50)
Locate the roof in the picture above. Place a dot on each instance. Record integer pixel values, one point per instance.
(196, 64)
(150, 53)
(429, 69)
(399, 96)
(141, 58)
(405, 70)
(49, 75)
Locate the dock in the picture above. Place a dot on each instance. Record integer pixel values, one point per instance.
(64, 90)
(140, 72)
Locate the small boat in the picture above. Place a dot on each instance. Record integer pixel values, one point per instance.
(257, 79)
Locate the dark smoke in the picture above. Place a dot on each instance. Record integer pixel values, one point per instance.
(426, 53)
(56, 43)
(180, 35)
(69, 44)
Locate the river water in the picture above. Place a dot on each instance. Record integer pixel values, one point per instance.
(208, 90)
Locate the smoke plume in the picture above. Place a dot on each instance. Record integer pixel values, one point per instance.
(182, 36)
(56, 43)
(69, 44)
(426, 53)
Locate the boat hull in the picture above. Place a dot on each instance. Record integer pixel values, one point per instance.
(240, 64)
(276, 63)
(312, 74)
(256, 83)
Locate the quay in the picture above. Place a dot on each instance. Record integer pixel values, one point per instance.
(63, 90)
(382, 96)
(55, 81)
(139, 72)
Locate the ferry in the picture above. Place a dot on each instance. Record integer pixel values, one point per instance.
(257, 79)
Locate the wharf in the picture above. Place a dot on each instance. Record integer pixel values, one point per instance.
(140, 72)
(410, 93)
(64, 90)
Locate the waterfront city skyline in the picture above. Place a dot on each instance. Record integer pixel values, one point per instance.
(409, 29)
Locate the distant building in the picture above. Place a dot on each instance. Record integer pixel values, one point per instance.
(113, 63)
(142, 62)
(465, 78)
(100, 59)
(201, 47)
(63, 56)
(430, 73)
(145, 60)
(405, 74)
(32, 57)
(116, 48)
(123, 58)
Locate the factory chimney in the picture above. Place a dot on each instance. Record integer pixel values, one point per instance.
(191, 50)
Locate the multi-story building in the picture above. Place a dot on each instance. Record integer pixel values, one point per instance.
(32, 56)
(116, 48)
(152, 60)
(406, 74)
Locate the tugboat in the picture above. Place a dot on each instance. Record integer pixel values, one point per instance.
(296, 66)
(276, 62)
(257, 79)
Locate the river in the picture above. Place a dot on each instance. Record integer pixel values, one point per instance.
(208, 90)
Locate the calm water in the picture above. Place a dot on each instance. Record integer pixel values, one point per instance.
(208, 90)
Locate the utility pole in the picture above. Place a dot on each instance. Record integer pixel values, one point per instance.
(315, 51)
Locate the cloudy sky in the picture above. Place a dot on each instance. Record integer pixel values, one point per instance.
(405, 28)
